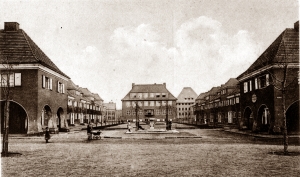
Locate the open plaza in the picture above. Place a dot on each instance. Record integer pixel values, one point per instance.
(191, 152)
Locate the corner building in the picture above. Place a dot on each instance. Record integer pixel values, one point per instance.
(37, 86)
(261, 86)
(152, 100)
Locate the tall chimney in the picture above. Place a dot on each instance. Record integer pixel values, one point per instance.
(132, 85)
(11, 26)
(164, 84)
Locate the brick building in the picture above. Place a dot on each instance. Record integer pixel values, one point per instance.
(220, 106)
(38, 97)
(152, 101)
(261, 86)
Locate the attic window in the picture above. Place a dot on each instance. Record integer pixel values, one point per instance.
(157, 95)
(163, 95)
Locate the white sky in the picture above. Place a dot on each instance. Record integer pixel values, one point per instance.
(106, 45)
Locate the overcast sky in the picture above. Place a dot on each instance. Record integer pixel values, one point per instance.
(106, 45)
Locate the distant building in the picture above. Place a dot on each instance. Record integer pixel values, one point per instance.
(152, 101)
(109, 112)
(185, 102)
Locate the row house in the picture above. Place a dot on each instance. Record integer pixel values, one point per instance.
(147, 101)
(219, 106)
(83, 106)
(185, 105)
(40, 94)
(270, 86)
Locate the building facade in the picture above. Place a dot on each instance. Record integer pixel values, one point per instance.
(37, 87)
(185, 105)
(149, 101)
(220, 106)
(110, 113)
(270, 86)
(40, 94)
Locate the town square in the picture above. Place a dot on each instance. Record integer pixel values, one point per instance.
(150, 88)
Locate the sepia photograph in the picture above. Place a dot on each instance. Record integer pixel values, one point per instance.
(149, 88)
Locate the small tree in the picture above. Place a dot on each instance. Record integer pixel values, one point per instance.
(283, 79)
(6, 90)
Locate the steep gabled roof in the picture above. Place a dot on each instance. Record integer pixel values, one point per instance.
(97, 97)
(186, 92)
(21, 49)
(285, 49)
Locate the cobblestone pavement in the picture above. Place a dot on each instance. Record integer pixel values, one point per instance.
(212, 153)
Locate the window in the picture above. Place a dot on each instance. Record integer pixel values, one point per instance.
(145, 95)
(128, 112)
(60, 87)
(163, 95)
(128, 104)
(140, 103)
(140, 112)
(157, 103)
(47, 82)
(145, 103)
(151, 103)
(164, 103)
(132, 95)
(170, 103)
(262, 81)
(151, 95)
(69, 102)
(157, 95)
(170, 112)
(179, 109)
(247, 86)
(139, 95)
(157, 112)
(14, 79)
(237, 100)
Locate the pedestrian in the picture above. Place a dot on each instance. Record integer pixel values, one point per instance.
(47, 134)
(129, 126)
(89, 131)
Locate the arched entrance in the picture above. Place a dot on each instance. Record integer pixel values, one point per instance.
(248, 118)
(292, 118)
(60, 113)
(263, 118)
(18, 118)
(46, 116)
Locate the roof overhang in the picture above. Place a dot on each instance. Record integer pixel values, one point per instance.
(263, 69)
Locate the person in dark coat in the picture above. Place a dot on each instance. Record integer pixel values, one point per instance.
(47, 134)
(89, 131)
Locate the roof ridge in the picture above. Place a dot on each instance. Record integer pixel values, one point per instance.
(29, 45)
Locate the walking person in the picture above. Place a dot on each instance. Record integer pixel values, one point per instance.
(89, 131)
(128, 126)
(47, 134)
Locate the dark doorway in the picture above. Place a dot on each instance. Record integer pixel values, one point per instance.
(292, 118)
(248, 118)
(18, 123)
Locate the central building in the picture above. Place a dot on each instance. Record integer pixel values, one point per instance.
(147, 101)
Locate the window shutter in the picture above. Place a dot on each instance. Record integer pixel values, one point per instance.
(267, 80)
(44, 81)
(17, 79)
(245, 87)
(50, 84)
(58, 86)
(63, 88)
(255, 83)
